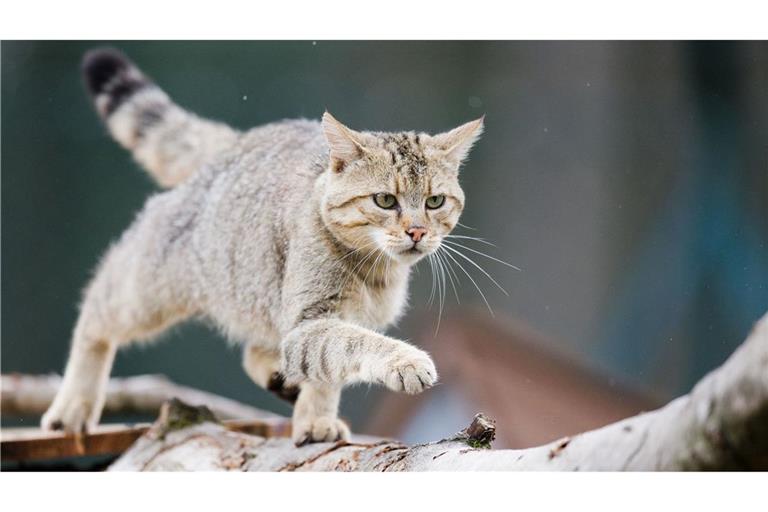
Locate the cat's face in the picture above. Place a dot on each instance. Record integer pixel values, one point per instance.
(397, 193)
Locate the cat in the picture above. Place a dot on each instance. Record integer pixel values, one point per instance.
(295, 238)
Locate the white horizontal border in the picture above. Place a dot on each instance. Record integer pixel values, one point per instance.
(384, 19)
(429, 492)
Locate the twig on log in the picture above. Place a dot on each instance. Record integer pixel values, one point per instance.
(721, 424)
(479, 434)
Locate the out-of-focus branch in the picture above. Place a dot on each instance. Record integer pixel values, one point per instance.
(32, 394)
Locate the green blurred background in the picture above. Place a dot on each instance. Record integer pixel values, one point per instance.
(628, 180)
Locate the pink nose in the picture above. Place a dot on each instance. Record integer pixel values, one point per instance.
(416, 232)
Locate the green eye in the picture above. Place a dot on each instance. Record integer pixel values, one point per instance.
(434, 202)
(384, 200)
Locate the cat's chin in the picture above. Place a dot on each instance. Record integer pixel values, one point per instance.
(411, 256)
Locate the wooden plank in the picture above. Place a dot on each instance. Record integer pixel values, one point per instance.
(28, 444)
(35, 444)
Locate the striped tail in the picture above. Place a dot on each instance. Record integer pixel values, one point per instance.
(171, 143)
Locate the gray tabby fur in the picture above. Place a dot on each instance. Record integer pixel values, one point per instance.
(273, 235)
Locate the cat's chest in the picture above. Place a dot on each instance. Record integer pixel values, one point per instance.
(377, 307)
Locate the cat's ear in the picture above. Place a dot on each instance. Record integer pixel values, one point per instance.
(457, 142)
(346, 145)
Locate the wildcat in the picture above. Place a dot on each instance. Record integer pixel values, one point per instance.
(295, 238)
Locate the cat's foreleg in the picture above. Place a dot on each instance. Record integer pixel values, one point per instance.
(316, 404)
(336, 352)
(315, 414)
(324, 355)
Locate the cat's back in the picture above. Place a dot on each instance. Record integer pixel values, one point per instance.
(248, 204)
(284, 147)
(271, 169)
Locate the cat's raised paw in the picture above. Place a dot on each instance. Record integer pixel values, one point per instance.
(320, 430)
(412, 374)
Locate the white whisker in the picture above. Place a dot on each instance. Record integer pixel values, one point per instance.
(354, 251)
(481, 269)
(440, 293)
(375, 263)
(476, 239)
(352, 273)
(483, 254)
(449, 270)
(473, 282)
(432, 270)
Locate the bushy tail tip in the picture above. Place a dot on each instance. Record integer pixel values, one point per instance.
(111, 78)
(171, 143)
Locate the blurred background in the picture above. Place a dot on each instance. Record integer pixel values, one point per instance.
(627, 180)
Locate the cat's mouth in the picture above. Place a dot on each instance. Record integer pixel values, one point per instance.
(412, 252)
(415, 251)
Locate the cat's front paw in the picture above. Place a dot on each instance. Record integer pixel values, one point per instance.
(71, 414)
(319, 429)
(412, 373)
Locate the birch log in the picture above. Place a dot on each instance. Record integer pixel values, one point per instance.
(721, 424)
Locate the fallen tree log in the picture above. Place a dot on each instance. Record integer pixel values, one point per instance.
(721, 424)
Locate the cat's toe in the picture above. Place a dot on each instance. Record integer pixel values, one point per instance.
(72, 418)
(321, 430)
(412, 375)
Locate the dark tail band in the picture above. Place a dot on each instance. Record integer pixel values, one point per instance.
(171, 143)
(111, 75)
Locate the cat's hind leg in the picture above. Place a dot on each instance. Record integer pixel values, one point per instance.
(128, 299)
(263, 367)
(78, 402)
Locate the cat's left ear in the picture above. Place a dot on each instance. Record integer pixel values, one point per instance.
(346, 145)
(457, 142)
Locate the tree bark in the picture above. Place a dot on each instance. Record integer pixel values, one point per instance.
(721, 424)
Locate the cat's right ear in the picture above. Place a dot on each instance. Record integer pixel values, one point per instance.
(457, 142)
(345, 144)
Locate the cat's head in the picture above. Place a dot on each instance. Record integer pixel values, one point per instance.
(394, 192)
